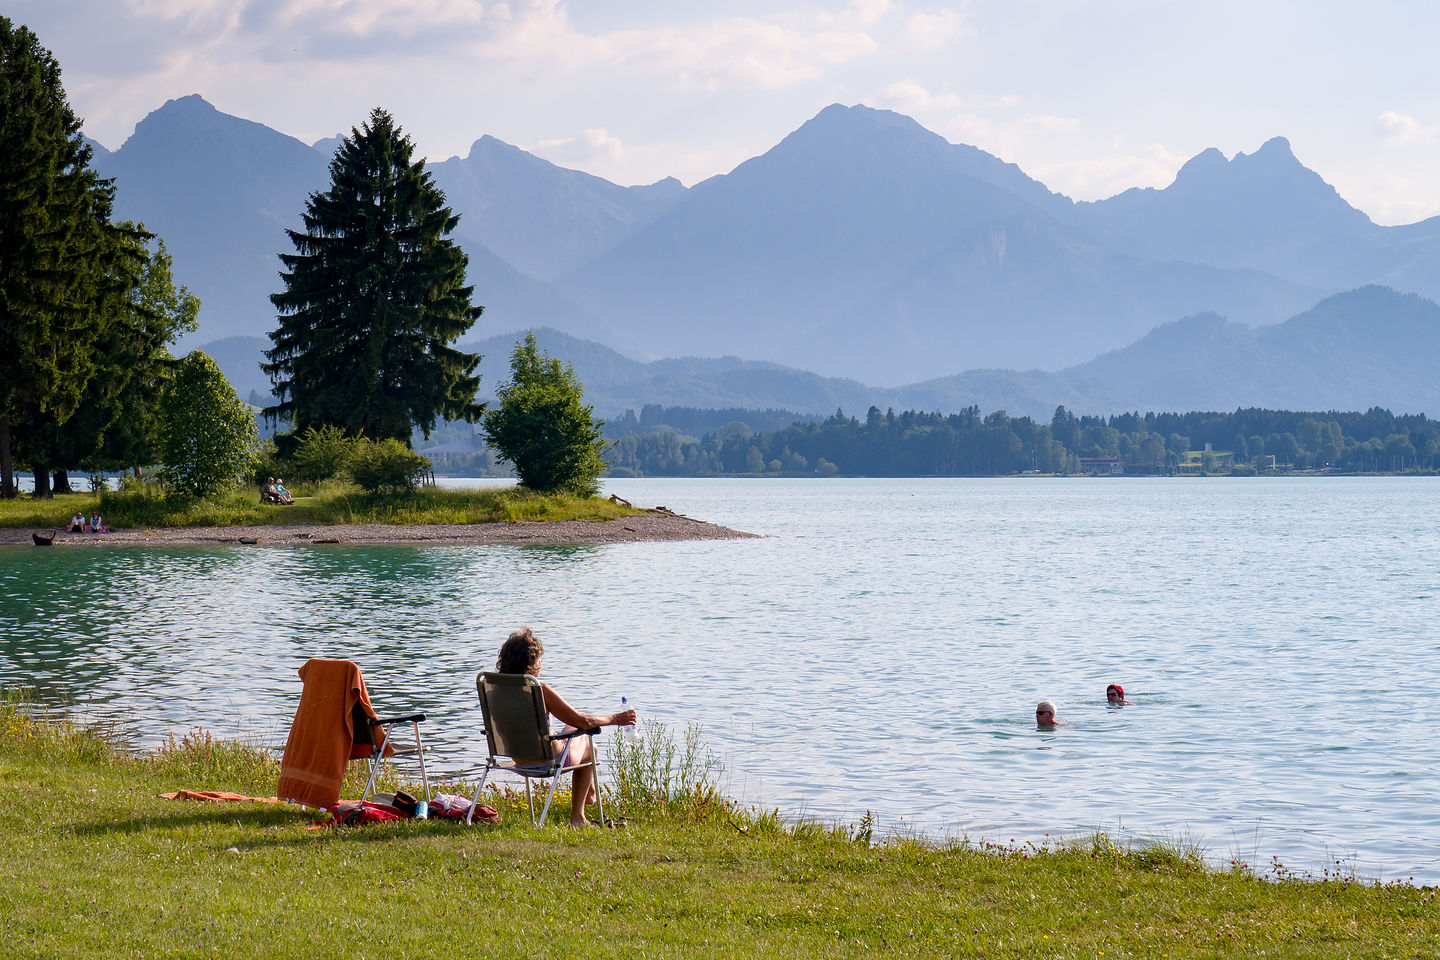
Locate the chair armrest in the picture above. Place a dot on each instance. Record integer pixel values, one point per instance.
(592, 732)
(411, 718)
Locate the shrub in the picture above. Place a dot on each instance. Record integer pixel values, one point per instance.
(386, 465)
(207, 435)
(543, 427)
(321, 454)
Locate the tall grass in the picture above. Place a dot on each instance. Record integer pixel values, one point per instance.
(656, 776)
(330, 502)
(29, 727)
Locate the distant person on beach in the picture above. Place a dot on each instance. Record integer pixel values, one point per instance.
(96, 526)
(269, 494)
(1045, 716)
(523, 653)
(281, 494)
(77, 524)
(1115, 694)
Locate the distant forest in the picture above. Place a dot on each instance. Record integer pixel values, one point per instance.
(916, 444)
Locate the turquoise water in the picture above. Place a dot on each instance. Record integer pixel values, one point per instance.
(881, 649)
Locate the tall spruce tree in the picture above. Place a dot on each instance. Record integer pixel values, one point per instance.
(374, 296)
(54, 234)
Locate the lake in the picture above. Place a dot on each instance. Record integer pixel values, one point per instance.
(880, 649)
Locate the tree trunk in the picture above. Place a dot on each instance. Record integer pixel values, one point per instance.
(42, 483)
(62, 483)
(7, 468)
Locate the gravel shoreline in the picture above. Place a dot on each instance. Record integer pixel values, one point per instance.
(648, 527)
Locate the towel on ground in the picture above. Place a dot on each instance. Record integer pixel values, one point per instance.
(329, 730)
(215, 796)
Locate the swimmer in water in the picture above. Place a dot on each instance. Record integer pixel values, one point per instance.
(1045, 716)
(1115, 695)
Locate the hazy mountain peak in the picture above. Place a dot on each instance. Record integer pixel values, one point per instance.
(193, 119)
(1204, 164)
(1276, 147)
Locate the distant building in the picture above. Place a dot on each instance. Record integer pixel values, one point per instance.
(1106, 466)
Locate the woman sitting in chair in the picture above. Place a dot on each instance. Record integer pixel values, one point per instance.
(523, 653)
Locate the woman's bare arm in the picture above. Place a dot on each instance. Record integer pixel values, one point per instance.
(565, 713)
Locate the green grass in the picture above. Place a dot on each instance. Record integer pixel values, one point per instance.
(328, 503)
(95, 864)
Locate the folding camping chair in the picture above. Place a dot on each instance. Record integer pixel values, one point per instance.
(334, 724)
(517, 731)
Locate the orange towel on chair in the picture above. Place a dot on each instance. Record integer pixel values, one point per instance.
(323, 737)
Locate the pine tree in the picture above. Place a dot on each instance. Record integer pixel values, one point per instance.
(54, 220)
(374, 296)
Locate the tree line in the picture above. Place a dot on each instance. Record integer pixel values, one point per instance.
(915, 443)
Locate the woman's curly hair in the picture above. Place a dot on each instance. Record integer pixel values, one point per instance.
(520, 653)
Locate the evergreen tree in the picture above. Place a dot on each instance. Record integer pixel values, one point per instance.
(54, 219)
(374, 296)
(542, 426)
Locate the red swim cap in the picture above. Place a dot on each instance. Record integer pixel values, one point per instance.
(1117, 688)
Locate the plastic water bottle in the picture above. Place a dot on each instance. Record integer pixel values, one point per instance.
(629, 734)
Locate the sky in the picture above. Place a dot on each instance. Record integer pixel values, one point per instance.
(1091, 97)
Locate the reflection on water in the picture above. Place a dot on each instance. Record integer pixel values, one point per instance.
(1277, 638)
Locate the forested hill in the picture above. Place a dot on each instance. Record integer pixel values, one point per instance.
(913, 444)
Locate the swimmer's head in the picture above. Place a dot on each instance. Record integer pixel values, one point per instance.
(1045, 713)
(1114, 693)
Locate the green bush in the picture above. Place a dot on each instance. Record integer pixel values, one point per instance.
(386, 466)
(543, 426)
(322, 453)
(207, 435)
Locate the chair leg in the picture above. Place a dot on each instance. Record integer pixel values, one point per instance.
(476, 799)
(595, 772)
(420, 752)
(554, 782)
(375, 765)
(528, 802)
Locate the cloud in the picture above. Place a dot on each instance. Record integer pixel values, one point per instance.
(935, 28)
(908, 96)
(998, 125)
(590, 149)
(1399, 129)
(1100, 177)
(739, 53)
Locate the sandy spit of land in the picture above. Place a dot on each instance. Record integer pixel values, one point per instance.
(649, 526)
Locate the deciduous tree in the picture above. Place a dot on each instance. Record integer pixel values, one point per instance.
(543, 426)
(207, 433)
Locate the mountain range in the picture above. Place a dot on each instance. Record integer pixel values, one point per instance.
(861, 249)
(1367, 347)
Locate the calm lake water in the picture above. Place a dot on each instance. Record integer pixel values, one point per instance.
(881, 649)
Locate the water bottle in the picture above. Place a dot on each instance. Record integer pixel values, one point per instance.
(422, 810)
(629, 734)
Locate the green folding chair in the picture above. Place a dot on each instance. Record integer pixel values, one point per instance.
(517, 732)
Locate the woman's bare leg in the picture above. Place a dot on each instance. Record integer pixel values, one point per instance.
(582, 785)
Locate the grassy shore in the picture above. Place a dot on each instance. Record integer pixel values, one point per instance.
(95, 864)
(328, 503)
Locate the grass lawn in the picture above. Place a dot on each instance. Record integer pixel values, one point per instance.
(95, 864)
(327, 503)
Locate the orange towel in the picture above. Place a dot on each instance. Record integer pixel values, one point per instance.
(215, 796)
(323, 737)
